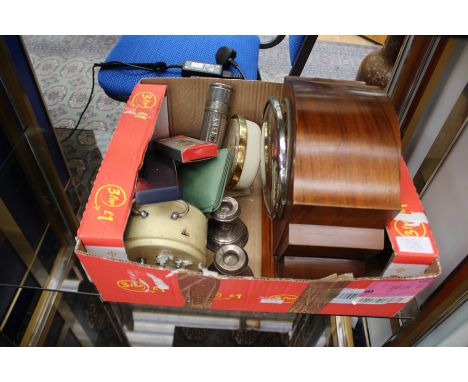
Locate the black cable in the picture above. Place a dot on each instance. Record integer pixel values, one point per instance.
(151, 67)
(84, 110)
(233, 63)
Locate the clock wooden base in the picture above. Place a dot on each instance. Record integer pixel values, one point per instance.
(305, 240)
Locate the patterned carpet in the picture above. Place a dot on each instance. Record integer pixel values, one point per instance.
(334, 60)
(83, 158)
(63, 69)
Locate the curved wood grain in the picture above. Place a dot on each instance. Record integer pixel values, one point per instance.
(346, 154)
(311, 268)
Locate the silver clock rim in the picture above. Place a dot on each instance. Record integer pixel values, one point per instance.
(275, 164)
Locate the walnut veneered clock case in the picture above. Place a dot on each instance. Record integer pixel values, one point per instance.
(330, 155)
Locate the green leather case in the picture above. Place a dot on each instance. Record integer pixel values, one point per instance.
(203, 182)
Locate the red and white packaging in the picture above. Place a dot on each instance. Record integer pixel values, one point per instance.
(105, 217)
(187, 149)
(410, 234)
(101, 250)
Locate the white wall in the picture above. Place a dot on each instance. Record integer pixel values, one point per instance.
(446, 205)
(446, 198)
(446, 93)
(452, 332)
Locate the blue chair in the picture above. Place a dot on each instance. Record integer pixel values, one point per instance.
(118, 83)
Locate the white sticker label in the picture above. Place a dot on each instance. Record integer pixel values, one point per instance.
(413, 219)
(405, 270)
(348, 296)
(414, 244)
(161, 285)
(384, 300)
(357, 296)
(266, 300)
(197, 65)
(113, 253)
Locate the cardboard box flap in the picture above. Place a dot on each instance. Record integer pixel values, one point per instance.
(409, 232)
(110, 200)
(186, 117)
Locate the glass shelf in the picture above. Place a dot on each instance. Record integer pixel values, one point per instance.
(48, 300)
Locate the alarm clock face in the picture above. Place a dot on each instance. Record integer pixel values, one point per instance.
(274, 157)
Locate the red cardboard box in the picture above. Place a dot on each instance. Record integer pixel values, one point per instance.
(410, 234)
(109, 204)
(100, 237)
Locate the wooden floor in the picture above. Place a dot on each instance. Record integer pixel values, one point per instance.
(348, 39)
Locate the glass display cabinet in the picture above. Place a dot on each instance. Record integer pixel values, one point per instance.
(46, 298)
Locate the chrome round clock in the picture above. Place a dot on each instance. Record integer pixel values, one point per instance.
(289, 134)
(273, 157)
